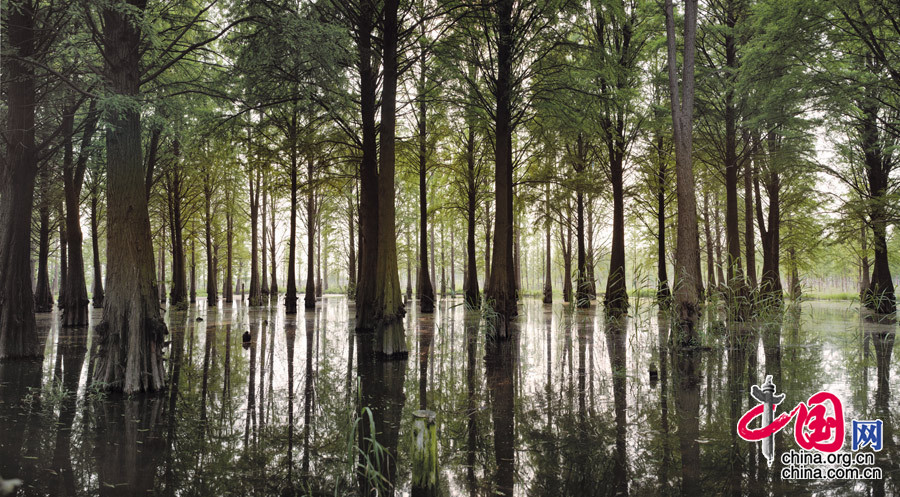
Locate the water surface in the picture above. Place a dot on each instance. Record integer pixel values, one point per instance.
(571, 405)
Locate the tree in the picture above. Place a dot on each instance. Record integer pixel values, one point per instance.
(131, 331)
(688, 284)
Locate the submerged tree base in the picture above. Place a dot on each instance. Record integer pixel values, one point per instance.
(390, 339)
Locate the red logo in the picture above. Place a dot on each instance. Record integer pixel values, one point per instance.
(814, 428)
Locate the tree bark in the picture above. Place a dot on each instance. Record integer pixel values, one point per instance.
(880, 296)
(424, 288)
(43, 297)
(309, 299)
(18, 337)
(390, 338)
(273, 284)
(130, 334)
(255, 290)
(264, 232)
(749, 232)
(174, 179)
(710, 260)
(616, 299)
(501, 287)
(663, 294)
(366, 305)
(567, 258)
(470, 281)
(212, 296)
(63, 255)
(548, 282)
(290, 295)
(688, 284)
(351, 260)
(97, 291)
(228, 287)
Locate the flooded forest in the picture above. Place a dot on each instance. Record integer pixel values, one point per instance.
(449, 247)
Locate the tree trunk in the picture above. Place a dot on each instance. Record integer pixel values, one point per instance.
(548, 282)
(616, 300)
(212, 296)
(688, 284)
(501, 288)
(366, 305)
(770, 285)
(749, 232)
(424, 288)
(18, 337)
(290, 294)
(408, 267)
(390, 339)
(880, 296)
(567, 259)
(470, 281)
(97, 291)
(228, 287)
(487, 244)
(174, 179)
(273, 284)
(43, 297)
(255, 290)
(864, 280)
(453, 262)
(720, 276)
(193, 292)
(351, 261)
(443, 265)
(710, 261)
(161, 275)
(663, 294)
(63, 255)
(591, 255)
(264, 274)
(318, 255)
(309, 299)
(131, 332)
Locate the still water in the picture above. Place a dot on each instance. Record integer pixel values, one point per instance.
(571, 405)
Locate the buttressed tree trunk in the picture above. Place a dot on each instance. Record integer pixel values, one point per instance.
(501, 288)
(131, 332)
(880, 296)
(18, 337)
(687, 266)
(390, 339)
(368, 174)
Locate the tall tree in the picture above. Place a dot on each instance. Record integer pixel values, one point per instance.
(688, 284)
(131, 332)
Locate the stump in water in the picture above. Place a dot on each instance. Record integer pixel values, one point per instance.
(424, 454)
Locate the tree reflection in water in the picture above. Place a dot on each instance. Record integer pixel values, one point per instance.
(557, 409)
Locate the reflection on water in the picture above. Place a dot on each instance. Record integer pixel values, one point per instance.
(571, 404)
